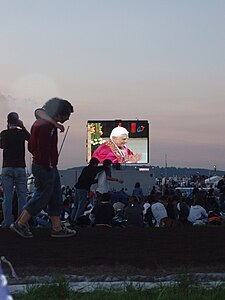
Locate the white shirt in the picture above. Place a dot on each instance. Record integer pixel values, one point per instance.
(159, 212)
(145, 207)
(103, 184)
(197, 212)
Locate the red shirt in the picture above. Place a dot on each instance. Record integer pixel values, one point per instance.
(43, 144)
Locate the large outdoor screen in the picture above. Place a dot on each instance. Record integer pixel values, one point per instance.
(98, 133)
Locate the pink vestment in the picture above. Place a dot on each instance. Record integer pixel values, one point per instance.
(109, 151)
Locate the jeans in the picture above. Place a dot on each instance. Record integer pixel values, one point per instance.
(13, 177)
(47, 192)
(79, 204)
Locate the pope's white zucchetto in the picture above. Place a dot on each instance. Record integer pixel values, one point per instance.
(118, 131)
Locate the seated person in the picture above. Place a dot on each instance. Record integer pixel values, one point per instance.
(159, 211)
(84, 219)
(103, 213)
(133, 212)
(197, 214)
(137, 191)
(147, 213)
(119, 205)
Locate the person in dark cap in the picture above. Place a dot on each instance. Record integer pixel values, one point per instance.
(12, 141)
(13, 118)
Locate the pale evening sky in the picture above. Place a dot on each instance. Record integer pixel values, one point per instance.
(159, 60)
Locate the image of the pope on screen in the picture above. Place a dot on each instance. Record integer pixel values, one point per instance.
(111, 140)
(115, 148)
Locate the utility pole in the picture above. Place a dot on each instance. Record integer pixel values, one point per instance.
(165, 165)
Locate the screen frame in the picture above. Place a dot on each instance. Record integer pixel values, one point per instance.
(106, 126)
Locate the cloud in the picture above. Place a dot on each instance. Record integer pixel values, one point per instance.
(6, 102)
(23, 106)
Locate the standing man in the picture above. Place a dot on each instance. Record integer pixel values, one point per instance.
(85, 180)
(12, 141)
(43, 146)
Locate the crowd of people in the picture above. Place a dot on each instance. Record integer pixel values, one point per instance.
(53, 205)
(164, 206)
(158, 209)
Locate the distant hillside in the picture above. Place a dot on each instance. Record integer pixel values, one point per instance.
(173, 171)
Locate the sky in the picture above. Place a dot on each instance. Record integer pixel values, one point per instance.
(156, 60)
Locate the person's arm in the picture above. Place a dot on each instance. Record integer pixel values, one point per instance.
(110, 178)
(21, 125)
(204, 213)
(114, 179)
(1, 141)
(41, 113)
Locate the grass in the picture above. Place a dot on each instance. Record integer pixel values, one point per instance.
(185, 289)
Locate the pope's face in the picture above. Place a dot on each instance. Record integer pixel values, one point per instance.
(120, 141)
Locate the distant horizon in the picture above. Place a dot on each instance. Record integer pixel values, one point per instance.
(153, 166)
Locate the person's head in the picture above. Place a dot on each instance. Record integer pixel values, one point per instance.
(163, 199)
(93, 161)
(105, 197)
(137, 185)
(119, 135)
(151, 199)
(175, 199)
(13, 118)
(63, 188)
(58, 109)
(107, 163)
(133, 200)
(198, 200)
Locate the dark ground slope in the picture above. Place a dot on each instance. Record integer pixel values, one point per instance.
(127, 251)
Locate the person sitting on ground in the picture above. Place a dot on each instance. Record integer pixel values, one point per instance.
(148, 218)
(211, 201)
(84, 219)
(182, 210)
(221, 184)
(146, 205)
(153, 190)
(198, 214)
(222, 199)
(137, 191)
(103, 213)
(122, 194)
(133, 212)
(159, 210)
(119, 205)
(177, 210)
